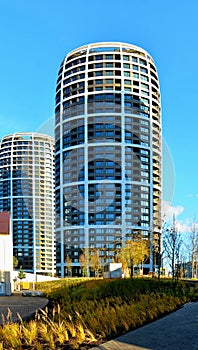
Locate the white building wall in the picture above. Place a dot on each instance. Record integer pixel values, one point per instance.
(6, 264)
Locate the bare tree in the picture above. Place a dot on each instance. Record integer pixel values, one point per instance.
(172, 242)
(194, 248)
(189, 255)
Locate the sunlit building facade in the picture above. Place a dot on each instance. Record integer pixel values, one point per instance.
(107, 152)
(27, 192)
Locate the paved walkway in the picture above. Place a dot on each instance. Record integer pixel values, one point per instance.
(177, 331)
(25, 306)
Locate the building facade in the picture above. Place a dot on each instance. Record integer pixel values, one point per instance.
(27, 192)
(6, 260)
(107, 152)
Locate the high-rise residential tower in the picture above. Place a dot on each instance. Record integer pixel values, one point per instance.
(27, 192)
(107, 152)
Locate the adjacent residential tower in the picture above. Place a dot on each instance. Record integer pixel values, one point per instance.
(107, 152)
(27, 192)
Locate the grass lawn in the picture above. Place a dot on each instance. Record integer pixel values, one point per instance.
(83, 312)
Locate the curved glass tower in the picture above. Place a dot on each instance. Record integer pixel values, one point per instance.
(27, 192)
(107, 152)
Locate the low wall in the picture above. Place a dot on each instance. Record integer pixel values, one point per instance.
(31, 277)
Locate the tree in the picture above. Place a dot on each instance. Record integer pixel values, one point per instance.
(69, 265)
(84, 263)
(21, 274)
(15, 262)
(194, 248)
(94, 261)
(172, 242)
(134, 252)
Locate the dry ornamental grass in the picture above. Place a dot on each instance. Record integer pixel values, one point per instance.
(87, 312)
(44, 333)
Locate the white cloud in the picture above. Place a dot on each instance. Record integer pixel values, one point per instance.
(192, 195)
(186, 227)
(182, 226)
(168, 211)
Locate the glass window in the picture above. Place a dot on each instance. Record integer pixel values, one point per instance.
(145, 93)
(144, 86)
(145, 210)
(144, 108)
(143, 62)
(99, 171)
(109, 65)
(99, 238)
(144, 70)
(143, 77)
(98, 73)
(144, 173)
(98, 57)
(144, 122)
(109, 57)
(143, 159)
(109, 81)
(143, 188)
(144, 203)
(144, 195)
(144, 130)
(98, 65)
(98, 81)
(145, 100)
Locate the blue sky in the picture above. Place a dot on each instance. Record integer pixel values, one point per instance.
(35, 35)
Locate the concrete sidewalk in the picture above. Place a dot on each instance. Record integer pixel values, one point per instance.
(177, 331)
(25, 306)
